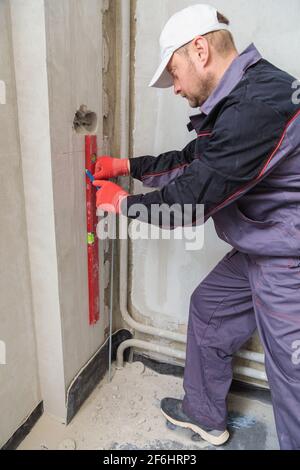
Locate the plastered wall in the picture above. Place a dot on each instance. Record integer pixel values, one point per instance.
(51, 59)
(19, 384)
(74, 59)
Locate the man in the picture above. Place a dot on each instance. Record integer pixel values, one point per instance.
(244, 166)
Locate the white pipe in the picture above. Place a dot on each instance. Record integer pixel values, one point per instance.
(238, 370)
(251, 356)
(124, 150)
(137, 343)
(250, 372)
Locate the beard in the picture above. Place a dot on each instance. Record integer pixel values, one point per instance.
(204, 86)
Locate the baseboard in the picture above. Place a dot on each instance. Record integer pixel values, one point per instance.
(159, 367)
(93, 373)
(25, 429)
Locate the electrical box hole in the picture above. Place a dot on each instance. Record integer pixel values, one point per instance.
(85, 121)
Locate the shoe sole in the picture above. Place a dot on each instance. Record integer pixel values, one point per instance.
(215, 440)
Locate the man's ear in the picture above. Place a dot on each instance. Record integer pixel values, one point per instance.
(201, 47)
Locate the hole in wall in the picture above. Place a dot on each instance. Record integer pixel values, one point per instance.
(85, 121)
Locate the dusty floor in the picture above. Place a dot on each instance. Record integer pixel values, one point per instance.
(125, 414)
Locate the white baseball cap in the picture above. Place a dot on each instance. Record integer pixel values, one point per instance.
(181, 29)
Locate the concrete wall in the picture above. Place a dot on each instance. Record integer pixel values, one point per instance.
(164, 274)
(19, 385)
(65, 47)
(74, 58)
(51, 62)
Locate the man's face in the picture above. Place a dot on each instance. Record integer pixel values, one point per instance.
(191, 81)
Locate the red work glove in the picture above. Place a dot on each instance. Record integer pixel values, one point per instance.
(109, 196)
(108, 167)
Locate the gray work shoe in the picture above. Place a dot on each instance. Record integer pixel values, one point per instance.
(172, 411)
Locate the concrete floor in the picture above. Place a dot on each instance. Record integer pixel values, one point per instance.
(125, 414)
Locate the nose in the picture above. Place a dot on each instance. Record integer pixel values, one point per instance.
(177, 89)
(176, 85)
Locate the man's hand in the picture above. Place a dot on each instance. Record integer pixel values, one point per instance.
(108, 167)
(109, 196)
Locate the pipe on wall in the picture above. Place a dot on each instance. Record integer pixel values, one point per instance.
(251, 356)
(124, 150)
(139, 344)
